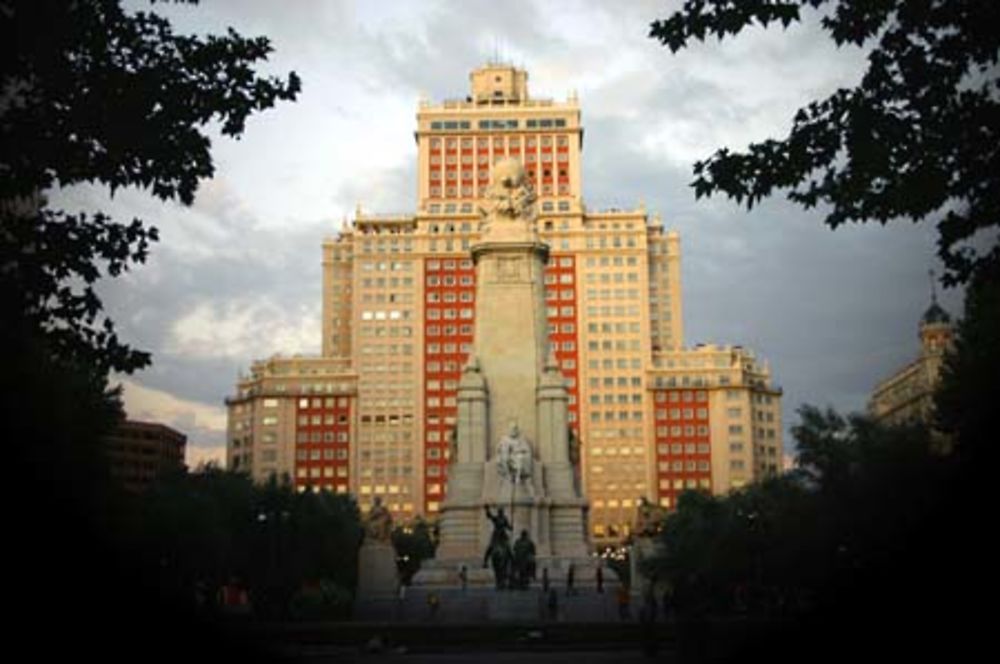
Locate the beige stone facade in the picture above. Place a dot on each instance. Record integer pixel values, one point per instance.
(399, 302)
(908, 394)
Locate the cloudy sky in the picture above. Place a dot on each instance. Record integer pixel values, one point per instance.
(236, 276)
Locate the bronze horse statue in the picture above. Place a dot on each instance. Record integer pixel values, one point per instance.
(502, 562)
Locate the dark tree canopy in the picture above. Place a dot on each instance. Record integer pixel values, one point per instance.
(92, 94)
(918, 138)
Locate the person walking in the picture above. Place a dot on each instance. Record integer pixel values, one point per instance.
(623, 602)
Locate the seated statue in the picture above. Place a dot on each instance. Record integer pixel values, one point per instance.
(378, 525)
(514, 457)
(648, 518)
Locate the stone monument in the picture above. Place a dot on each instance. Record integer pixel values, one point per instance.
(378, 576)
(512, 445)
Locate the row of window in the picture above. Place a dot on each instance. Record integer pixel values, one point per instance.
(391, 314)
(616, 294)
(467, 192)
(387, 298)
(617, 345)
(679, 483)
(609, 277)
(449, 280)
(449, 314)
(483, 159)
(450, 297)
(387, 349)
(317, 420)
(391, 282)
(448, 330)
(615, 398)
(613, 381)
(386, 331)
(616, 242)
(678, 396)
(620, 363)
(676, 431)
(607, 310)
(682, 448)
(382, 266)
(317, 471)
(679, 413)
(611, 415)
(683, 466)
(623, 450)
(324, 455)
(498, 141)
(434, 265)
(321, 437)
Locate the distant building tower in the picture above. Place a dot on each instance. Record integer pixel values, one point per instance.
(139, 452)
(908, 394)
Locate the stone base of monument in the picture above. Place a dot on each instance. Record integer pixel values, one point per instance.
(487, 605)
(481, 602)
(378, 582)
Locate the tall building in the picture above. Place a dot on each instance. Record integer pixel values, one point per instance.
(398, 315)
(908, 394)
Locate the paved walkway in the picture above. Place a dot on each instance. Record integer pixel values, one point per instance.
(620, 656)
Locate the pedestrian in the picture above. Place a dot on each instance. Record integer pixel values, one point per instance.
(545, 579)
(600, 578)
(433, 602)
(647, 620)
(649, 603)
(570, 575)
(668, 605)
(623, 602)
(463, 576)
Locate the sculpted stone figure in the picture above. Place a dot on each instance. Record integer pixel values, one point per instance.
(648, 518)
(509, 195)
(378, 525)
(514, 459)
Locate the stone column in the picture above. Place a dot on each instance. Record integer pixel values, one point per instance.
(511, 332)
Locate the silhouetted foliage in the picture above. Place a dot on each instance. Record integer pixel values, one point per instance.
(842, 534)
(966, 397)
(828, 550)
(92, 94)
(295, 553)
(918, 138)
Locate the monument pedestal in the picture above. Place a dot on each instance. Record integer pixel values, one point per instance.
(512, 446)
(378, 581)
